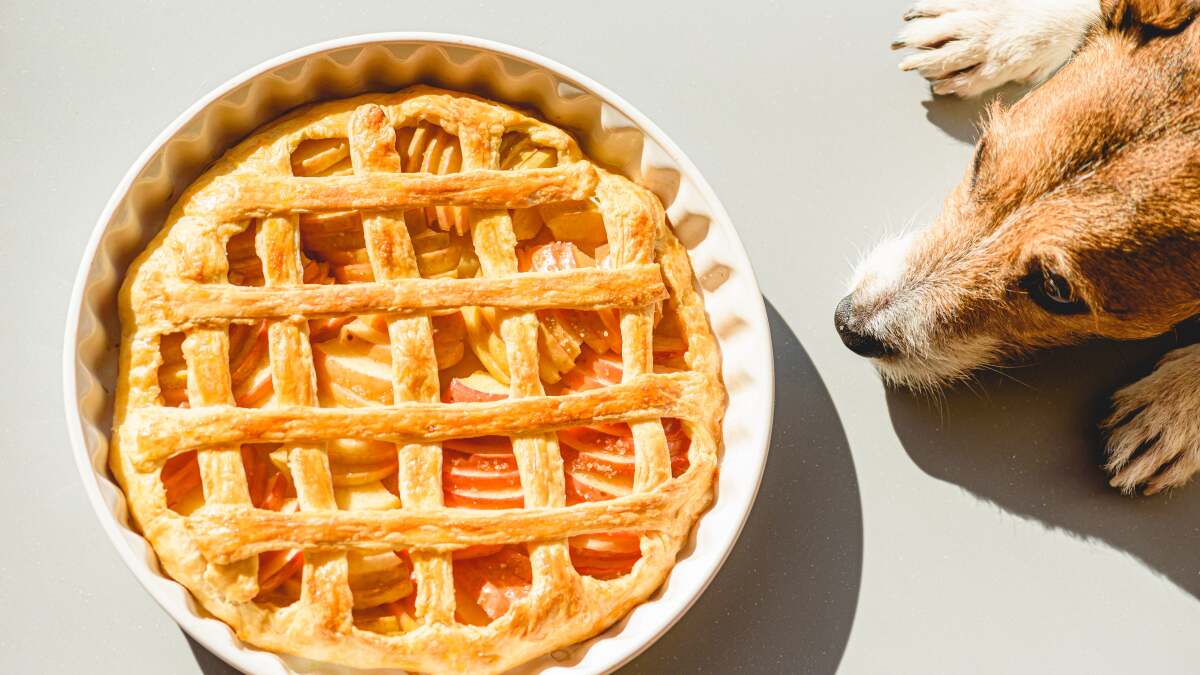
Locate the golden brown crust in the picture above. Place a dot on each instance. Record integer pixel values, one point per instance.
(227, 534)
(250, 196)
(189, 304)
(159, 433)
(179, 284)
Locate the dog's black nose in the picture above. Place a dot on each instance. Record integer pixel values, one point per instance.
(857, 341)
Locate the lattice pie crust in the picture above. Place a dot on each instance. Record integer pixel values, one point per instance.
(180, 284)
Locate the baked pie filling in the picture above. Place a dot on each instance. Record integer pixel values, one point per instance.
(407, 381)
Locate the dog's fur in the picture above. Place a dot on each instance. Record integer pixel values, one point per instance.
(1092, 180)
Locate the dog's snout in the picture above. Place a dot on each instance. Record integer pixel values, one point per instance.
(849, 328)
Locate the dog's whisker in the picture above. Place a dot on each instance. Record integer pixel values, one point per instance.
(1000, 370)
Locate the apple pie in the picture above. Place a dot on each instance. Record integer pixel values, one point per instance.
(407, 381)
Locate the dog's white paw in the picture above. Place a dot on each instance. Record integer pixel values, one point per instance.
(966, 47)
(1154, 430)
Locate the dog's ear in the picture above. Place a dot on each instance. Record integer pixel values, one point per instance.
(1161, 14)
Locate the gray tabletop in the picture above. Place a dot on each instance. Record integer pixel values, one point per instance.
(889, 536)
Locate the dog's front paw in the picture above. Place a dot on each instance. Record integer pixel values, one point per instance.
(1154, 430)
(967, 47)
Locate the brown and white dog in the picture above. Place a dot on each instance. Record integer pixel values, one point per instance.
(1079, 216)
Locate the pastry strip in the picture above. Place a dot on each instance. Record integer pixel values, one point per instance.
(162, 432)
(325, 585)
(539, 462)
(254, 196)
(230, 533)
(414, 362)
(588, 288)
(206, 352)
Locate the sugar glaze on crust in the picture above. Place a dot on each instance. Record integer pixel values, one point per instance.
(180, 284)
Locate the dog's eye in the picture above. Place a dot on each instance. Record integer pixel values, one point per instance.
(1057, 289)
(1052, 292)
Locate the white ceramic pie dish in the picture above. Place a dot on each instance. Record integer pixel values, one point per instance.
(610, 130)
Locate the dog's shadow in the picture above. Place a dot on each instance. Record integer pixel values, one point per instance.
(1027, 440)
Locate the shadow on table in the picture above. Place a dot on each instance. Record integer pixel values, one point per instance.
(961, 118)
(1027, 441)
(207, 661)
(785, 599)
